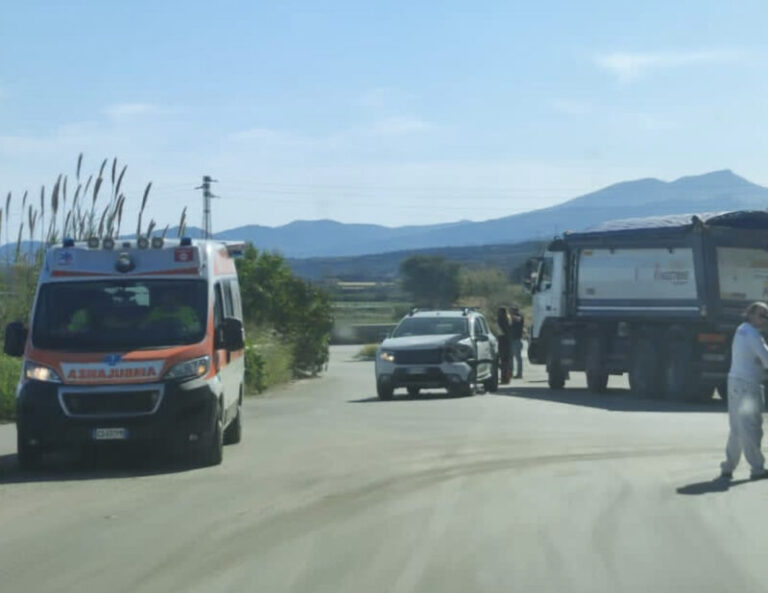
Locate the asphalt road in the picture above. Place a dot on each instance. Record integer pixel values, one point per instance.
(333, 491)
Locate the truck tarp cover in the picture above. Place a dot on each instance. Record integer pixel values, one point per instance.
(740, 219)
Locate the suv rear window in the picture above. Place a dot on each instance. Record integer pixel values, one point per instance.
(430, 326)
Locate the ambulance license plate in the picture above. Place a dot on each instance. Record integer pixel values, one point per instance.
(110, 434)
(416, 370)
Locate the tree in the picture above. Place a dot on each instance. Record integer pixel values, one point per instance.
(432, 280)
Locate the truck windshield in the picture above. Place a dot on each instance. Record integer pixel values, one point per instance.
(429, 326)
(743, 273)
(120, 315)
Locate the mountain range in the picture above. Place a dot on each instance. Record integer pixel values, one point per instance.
(716, 191)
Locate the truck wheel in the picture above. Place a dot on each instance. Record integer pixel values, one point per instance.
(722, 390)
(413, 391)
(492, 385)
(27, 456)
(597, 381)
(384, 391)
(644, 375)
(705, 393)
(597, 378)
(680, 380)
(234, 432)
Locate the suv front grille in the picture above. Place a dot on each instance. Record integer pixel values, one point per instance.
(110, 403)
(431, 356)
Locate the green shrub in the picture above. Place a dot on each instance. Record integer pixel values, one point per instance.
(10, 369)
(367, 352)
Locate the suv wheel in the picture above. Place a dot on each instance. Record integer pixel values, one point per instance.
(492, 385)
(384, 391)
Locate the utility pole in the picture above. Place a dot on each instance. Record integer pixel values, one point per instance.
(207, 195)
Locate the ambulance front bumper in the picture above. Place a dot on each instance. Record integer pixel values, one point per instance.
(51, 415)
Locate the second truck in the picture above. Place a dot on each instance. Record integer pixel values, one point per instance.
(658, 298)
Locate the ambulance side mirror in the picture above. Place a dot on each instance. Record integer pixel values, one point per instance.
(232, 334)
(15, 338)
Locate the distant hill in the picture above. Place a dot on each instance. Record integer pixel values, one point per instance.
(386, 266)
(716, 191)
(711, 192)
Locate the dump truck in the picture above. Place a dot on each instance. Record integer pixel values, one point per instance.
(658, 298)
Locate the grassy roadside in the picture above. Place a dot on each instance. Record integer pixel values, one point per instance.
(10, 368)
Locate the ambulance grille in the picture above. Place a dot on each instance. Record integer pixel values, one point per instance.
(110, 403)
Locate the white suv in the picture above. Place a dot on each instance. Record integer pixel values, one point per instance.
(452, 350)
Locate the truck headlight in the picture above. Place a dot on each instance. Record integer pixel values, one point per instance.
(39, 372)
(387, 356)
(190, 369)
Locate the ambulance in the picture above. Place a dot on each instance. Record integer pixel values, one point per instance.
(135, 341)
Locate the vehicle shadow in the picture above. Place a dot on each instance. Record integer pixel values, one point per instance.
(710, 487)
(613, 400)
(100, 465)
(422, 396)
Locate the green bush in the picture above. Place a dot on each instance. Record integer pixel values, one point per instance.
(10, 369)
(367, 352)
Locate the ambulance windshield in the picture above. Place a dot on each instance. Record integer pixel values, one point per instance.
(120, 315)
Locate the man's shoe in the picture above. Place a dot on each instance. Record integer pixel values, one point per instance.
(759, 475)
(726, 475)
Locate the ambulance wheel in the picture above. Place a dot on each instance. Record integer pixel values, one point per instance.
(28, 456)
(234, 432)
(213, 451)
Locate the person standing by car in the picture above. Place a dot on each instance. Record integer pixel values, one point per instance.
(504, 323)
(749, 359)
(516, 343)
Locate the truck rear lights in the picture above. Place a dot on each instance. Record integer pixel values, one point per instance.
(711, 338)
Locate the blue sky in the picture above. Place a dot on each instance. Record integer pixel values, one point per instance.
(384, 112)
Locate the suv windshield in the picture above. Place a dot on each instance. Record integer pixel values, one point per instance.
(121, 315)
(428, 326)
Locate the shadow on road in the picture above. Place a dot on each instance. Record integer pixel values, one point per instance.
(614, 400)
(423, 396)
(97, 465)
(710, 487)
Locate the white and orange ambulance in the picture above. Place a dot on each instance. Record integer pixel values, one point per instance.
(138, 341)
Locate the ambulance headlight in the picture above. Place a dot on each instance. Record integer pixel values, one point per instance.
(39, 372)
(190, 369)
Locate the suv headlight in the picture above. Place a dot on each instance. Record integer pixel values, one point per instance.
(459, 353)
(387, 356)
(190, 369)
(39, 372)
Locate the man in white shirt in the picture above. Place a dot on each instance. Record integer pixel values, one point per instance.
(749, 359)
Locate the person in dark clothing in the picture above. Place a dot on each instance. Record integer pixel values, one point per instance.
(503, 321)
(516, 343)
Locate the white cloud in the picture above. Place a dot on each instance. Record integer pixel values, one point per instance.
(383, 98)
(627, 66)
(130, 109)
